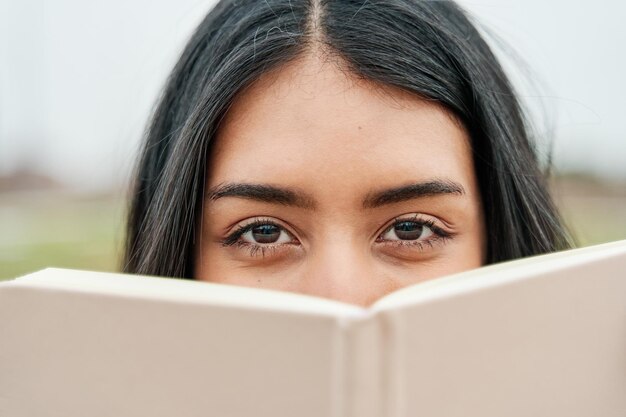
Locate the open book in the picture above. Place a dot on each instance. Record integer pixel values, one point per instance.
(541, 336)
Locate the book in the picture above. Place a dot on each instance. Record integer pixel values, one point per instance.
(539, 336)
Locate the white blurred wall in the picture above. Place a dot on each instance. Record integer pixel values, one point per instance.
(78, 79)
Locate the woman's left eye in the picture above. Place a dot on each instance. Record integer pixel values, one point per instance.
(417, 232)
(408, 230)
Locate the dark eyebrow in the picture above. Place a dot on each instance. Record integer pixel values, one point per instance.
(411, 191)
(262, 192)
(290, 197)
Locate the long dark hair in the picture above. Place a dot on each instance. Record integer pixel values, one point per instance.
(429, 48)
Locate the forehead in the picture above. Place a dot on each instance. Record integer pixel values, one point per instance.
(311, 124)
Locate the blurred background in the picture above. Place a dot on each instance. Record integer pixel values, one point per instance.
(78, 80)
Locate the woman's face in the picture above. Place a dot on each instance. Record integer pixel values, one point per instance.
(329, 186)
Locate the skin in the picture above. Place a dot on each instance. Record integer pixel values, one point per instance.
(312, 128)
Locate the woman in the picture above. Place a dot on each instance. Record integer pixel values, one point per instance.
(337, 148)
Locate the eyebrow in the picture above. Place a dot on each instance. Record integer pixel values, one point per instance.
(291, 197)
(408, 192)
(262, 192)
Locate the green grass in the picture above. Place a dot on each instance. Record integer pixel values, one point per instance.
(65, 231)
(594, 210)
(592, 224)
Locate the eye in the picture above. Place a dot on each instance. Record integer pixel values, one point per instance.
(261, 236)
(408, 230)
(416, 233)
(265, 233)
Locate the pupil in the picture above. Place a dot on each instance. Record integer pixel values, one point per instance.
(266, 233)
(408, 230)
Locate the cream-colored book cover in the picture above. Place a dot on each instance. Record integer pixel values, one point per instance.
(541, 336)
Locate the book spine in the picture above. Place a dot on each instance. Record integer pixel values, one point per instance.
(393, 362)
(363, 387)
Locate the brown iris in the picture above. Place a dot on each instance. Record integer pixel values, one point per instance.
(266, 233)
(408, 230)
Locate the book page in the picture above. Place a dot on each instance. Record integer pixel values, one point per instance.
(78, 344)
(499, 274)
(183, 290)
(526, 339)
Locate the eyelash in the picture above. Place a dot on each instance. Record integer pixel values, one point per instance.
(233, 238)
(439, 236)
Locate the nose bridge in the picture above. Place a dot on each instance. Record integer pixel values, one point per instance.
(341, 270)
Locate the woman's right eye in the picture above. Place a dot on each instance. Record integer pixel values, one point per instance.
(260, 233)
(266, 234)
